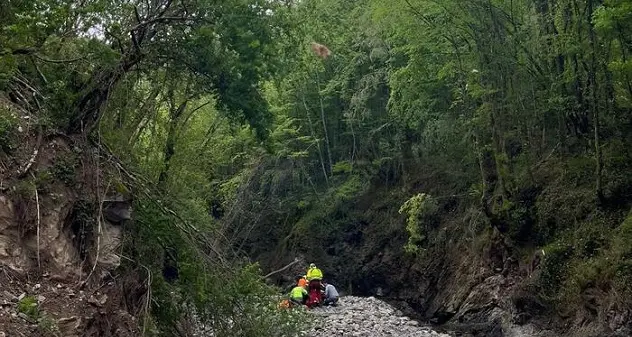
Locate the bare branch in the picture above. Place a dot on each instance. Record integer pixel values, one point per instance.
(42, 58)
(25, 170)
(282, 269)
(166, 8)
(159, 19)
(20, 51)
(188, 117)
(118, 40)
(137, 14)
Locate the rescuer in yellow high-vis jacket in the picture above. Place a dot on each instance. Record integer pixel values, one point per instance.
(313, 273)
(298, 295)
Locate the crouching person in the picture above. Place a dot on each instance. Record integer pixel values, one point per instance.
(331, 294)
(298, 295)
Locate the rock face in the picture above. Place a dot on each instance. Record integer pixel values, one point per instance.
(50, 225)
(366, 316)
(62, 214)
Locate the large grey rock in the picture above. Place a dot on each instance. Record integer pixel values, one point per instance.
(109, 248)
(118, 208)
(69, 326)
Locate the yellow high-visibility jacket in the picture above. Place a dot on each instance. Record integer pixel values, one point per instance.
(314, 274)
(298, 293)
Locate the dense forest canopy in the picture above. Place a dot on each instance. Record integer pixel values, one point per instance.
(512, 117)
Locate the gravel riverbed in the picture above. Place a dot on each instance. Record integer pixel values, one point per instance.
(366, 316)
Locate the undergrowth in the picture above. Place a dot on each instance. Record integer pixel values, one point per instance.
(63, 169)
(588, 250)
(232, 298)
(28, 306)
(8, 130)
(419, 210)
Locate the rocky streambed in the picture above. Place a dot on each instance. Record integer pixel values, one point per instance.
(365, 316)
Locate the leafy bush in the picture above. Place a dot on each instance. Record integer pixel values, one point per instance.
(598, 257)
(64, 169)
(342, 167)
(8, 129)
(621, 255)
(348, 189)
(28, 306)
(49, 326)
(232, 299)
(8, 66)
(580, 170)
(419, 209)
(553, 269)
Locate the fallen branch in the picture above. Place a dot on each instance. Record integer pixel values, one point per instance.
(27, 167)
(282, 269)
(25, 170)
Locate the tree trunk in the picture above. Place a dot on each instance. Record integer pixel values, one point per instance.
(174, 120)
(89, 107)
(311, 130)
(322, 118)
(592, 78)
(624, 58)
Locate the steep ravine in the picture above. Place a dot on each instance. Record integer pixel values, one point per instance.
(475, 285)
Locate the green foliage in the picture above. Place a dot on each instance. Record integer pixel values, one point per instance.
(8, 130)
(554, 267)
(8, 66)
(323, 216)
(342, 167)
(43, 181)
(419, 209)
(233, 297)
(63, 169)
(580, 170)
(621, 255)
(28, 306)
(591, 256)
(235, 124)
(348, 189)
(610, 258)
(49, 326)
(24, 189)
